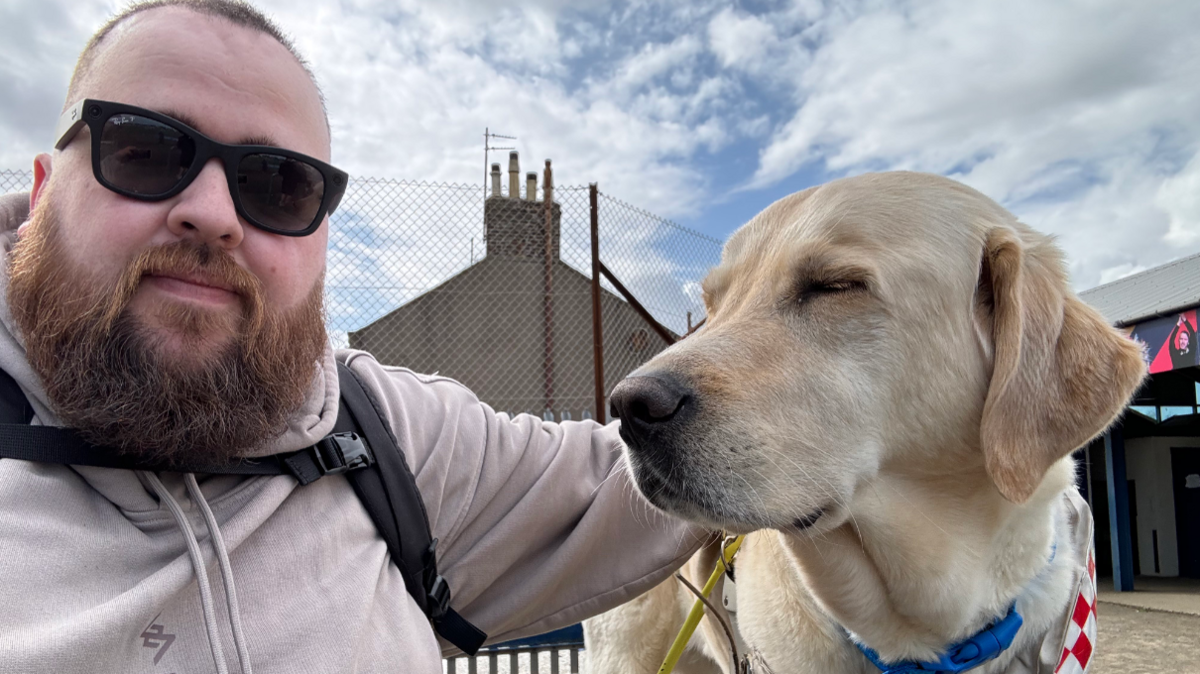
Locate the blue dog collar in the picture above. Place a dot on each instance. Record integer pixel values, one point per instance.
(962, 656)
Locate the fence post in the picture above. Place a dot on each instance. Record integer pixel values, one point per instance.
(597, 328)
(548, 283)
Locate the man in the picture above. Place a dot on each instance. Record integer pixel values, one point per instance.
(164, 297)
(1180, 344)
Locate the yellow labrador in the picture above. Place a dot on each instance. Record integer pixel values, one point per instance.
(888, 389)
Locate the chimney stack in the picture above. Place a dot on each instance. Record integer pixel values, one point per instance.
(495, 180)
(514, 176)
(525, 226)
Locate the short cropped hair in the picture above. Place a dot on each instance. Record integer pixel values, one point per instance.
(237, 12)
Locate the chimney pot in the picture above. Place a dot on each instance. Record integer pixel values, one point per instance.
(514, 176)
(495, 180)
(531, 186)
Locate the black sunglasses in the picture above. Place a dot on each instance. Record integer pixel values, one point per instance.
(144, 155)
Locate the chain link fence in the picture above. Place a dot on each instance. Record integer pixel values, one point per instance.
(15, 181)
(494, 288)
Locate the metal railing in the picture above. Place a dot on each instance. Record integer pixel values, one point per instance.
(555, 652)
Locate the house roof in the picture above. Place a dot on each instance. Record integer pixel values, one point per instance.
(483, 264)
(1154, 292)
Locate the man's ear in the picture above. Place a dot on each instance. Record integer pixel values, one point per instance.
(42, 167)
(1060, 373)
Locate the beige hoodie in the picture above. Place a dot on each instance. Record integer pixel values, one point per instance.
(539, 527)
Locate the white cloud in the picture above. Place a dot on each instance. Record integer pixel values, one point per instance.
(1119, 272)
(1081, 117)
(1051, 108)
(740, 40)
(409, 97)
(1179, 197)
(40, 42)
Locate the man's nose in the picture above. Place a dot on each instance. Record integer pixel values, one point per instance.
(205, 212)
(649, 404)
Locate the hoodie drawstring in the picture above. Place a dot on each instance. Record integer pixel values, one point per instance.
(197, 559)
(231, 602)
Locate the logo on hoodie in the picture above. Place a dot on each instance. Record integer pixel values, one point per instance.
(155, 636)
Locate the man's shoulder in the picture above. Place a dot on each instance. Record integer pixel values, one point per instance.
(14, 210)
(395, 384)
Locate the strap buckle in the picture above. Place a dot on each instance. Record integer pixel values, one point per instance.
(987, 644)
(439, 598)
(341, 452)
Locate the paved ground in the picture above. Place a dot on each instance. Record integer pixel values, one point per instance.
(1140, 641)
(1178, 595)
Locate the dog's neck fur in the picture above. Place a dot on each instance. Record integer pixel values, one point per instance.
(909, 580)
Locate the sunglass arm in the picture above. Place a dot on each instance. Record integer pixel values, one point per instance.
(69, 124)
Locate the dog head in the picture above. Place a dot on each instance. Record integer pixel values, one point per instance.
(887, 323)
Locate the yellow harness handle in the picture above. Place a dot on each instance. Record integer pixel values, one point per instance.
(728, 551)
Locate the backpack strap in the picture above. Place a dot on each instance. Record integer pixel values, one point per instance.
(14, 407)
(334, 454)
(374, 465)
(389, 493)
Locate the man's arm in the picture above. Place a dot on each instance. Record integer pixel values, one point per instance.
(538, 523)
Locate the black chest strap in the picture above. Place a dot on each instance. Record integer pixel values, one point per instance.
(362, 447)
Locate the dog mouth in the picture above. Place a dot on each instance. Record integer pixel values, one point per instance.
(658, 490)
(677, 498)
(681, 497)
(802, 523)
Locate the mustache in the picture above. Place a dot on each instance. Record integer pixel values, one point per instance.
(187, 259)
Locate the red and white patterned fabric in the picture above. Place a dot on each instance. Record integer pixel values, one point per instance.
(1081, 630)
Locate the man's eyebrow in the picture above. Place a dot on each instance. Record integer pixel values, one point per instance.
(245, 140)
(257, 140)
(181, 117)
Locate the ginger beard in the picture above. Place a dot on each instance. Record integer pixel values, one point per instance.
(143, 389)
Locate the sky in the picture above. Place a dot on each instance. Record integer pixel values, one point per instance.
(1082, 118)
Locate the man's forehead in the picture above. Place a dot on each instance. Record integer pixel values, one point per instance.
(229, 81)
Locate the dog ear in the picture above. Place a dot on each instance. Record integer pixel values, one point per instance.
(1060, 373)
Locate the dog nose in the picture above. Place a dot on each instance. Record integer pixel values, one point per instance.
(647, 401)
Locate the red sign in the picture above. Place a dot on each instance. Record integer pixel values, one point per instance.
(1168, 342)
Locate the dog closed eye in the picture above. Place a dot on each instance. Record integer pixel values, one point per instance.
(830, 287)
(830, 284)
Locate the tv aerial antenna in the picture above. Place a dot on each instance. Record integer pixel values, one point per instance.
(488, 138)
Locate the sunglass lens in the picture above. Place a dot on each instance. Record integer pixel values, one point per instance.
(143, 156)
(282, 193)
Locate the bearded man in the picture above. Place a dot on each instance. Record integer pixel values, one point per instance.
(165, 299)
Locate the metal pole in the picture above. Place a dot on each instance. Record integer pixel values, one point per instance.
(487, 137)
(597, 328)
(1118, 509)
(548, 283)
(661, 329)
